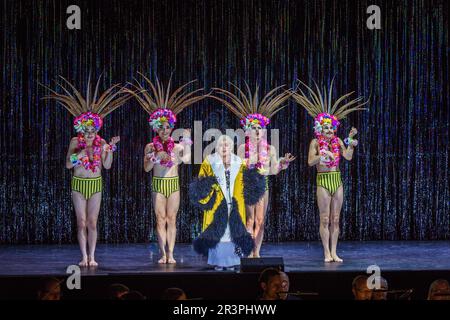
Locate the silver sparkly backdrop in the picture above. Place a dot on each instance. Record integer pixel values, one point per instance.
(395, 188)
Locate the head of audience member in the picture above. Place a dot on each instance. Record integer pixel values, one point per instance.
(133, 295)
(381, 292)
(284, 285)
(360, 289)
(271, 284)
(117, 290)
(173, 294)
(439, 290)
(49, 289)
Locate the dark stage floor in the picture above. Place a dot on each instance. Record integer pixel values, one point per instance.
(405, 265)
(298, 257)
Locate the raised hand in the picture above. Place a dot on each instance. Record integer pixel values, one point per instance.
(114, 141)
(288, 157)
(284, 162)
(353, 132)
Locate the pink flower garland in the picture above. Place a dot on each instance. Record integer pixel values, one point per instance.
(335, 149)
(263, 154)
(96, 157)
(324, 144)
(167, 147)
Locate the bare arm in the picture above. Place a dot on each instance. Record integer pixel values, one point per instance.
(313, 155)
(274, 162)
(277, 165)
(72, 149)
(148, 164)
(184, 153)
(107, 156)
(347, 153)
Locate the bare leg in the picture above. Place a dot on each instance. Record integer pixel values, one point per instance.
(93, 209)
(336, 205)
(173, 204)
(323, 202)
(80, 204)
(260, 214)
(159, 203)
(250, 223)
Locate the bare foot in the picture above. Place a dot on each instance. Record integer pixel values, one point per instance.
(336, 258)
(83, 262)
(92, 262)
(163, 260)
(250, 255)
(328, 257)
(171, 260)
(256, 255)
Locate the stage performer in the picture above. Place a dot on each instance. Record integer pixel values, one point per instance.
(87, 154)
(325, 152)
(256, 152)
(222, 190)
(163, 155)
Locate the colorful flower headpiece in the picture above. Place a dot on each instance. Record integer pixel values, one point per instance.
(87, 119)
(160, 116)
(254, 118)
(325, 118)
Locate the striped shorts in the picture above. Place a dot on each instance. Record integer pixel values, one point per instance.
(165, 186)
(87, 186)
(329, 180)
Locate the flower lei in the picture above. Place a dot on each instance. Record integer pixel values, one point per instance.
(167, 147)
(85, 161)
(263, 154)
(254, 118)
(319, 122)
(160, 116)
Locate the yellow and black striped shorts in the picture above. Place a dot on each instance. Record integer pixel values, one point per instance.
(165, 185)
(87, 186)
(329, 180)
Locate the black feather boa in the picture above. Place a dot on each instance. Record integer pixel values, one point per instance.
(199, 189)
(254, 186)
(209, 238)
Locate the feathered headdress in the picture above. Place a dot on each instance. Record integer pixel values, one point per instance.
(321, 108)
(162, 104)
(248, 107)
(91, 109)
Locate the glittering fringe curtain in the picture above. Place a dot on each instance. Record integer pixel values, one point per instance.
(396, 187)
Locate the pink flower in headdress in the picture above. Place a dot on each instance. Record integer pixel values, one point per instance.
(253, 119)
(160, 116)
(87, 119)
(322, 119)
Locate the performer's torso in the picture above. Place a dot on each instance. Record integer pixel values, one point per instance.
(162, 171)
(82, 172)
(324, 168)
